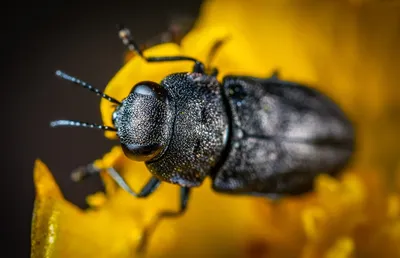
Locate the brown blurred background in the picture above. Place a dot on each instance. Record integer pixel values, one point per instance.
(81, 39)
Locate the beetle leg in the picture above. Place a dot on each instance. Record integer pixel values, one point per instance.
(183, 197)
(214, 72)
(274, 198)
(275, 74)
(127, 40)
(214, 49)
(86, 171)
(147, 189)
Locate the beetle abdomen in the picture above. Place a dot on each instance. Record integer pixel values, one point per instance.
(283, 134)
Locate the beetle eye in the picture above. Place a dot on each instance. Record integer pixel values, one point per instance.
(151, 89)
(141, 152)
(115, 114)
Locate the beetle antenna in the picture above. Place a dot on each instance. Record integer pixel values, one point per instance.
(70, 123)
(126, 37)
(85, 85)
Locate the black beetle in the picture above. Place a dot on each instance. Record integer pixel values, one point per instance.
(253, 136)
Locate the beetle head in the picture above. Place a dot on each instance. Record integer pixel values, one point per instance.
(142, 121)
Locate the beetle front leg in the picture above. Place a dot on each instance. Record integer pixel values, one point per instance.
(86, 171)
(183, 197)
(147, 189)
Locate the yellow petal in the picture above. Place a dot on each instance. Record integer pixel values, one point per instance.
(343, 248)
(96, 200)
(312, 218)
(45, 216)
(394, 206)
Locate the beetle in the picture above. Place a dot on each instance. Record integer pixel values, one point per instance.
(251, 136)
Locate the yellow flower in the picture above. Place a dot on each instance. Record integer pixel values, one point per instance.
(347, 49)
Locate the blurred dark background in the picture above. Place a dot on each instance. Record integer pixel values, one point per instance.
(81, 39)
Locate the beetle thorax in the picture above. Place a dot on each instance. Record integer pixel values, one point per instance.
(199, 130)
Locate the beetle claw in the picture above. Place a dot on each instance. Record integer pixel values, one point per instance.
(83, 172)
(274, 198)
(275, 74)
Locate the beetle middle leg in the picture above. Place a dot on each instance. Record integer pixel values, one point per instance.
(146, 191)
(183, 197)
